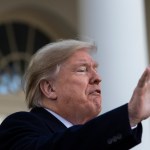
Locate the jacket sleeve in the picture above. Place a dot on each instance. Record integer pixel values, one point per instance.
(24, 131)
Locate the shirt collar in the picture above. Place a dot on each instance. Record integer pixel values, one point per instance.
(64, 121)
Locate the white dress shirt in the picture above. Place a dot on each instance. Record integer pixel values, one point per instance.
(64, 121)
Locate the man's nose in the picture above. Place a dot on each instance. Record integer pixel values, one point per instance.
(95, 78)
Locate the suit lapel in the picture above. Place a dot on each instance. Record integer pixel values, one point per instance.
(48, 119)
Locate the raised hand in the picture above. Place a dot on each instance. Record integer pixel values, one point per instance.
(139, 105)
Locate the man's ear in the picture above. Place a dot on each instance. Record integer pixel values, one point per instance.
(48, 89)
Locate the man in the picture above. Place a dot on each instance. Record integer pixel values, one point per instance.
(63, 91)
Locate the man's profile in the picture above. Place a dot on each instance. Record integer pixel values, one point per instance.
(63, 93)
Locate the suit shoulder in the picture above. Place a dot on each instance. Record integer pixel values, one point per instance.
(20, 117)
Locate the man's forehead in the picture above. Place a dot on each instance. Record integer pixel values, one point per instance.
(81, 56)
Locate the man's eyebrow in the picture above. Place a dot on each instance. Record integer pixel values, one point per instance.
(85, 62)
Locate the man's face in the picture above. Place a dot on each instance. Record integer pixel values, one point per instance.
(78, 88)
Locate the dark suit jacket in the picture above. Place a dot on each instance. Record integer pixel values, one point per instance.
(39, 130)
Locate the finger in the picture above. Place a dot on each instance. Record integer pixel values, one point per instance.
(143, 78)
(148, 79)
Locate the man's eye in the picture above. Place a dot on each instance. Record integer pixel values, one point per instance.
(82, 69)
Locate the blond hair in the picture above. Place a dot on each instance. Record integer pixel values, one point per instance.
(44, 65)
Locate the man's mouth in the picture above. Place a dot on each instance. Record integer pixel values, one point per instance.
(96, 92)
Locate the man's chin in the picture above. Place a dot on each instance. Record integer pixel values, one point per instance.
(98, 107)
